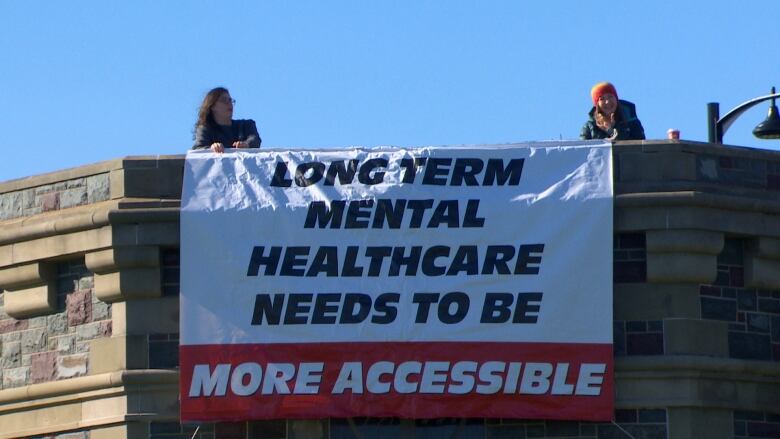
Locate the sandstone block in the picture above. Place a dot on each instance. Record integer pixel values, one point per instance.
(20, 276)
(656, 301)
(684, 241)
(118, 353)
(129, 283)
(69, 366)
(696, 422)
(696, 337)
(31, 302)
(681, 268)
(766, 247)
(106, 261)
(762, 273)
(660, 166)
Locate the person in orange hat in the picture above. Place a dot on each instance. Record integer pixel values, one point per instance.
(611, 118)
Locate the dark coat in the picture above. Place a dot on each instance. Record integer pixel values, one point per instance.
(239, 130)
(628, 125)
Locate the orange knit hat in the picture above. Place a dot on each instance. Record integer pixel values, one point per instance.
(600, 89)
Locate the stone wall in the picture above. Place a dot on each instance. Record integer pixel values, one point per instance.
(54, 196)
(54, 347)
(90, 263)
(753, 314)
(756, 425)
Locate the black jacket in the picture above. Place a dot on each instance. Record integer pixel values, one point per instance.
(239, 130)
(628, 126)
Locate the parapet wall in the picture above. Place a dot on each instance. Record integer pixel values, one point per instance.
(89, 281)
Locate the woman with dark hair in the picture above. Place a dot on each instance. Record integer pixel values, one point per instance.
(611, 118)
(216, 129)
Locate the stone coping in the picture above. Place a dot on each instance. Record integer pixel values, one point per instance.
(677, 365)
(84, 171)
(698, 199)
(88, 217)
(11, 398)
(146, 161)
(663, 145)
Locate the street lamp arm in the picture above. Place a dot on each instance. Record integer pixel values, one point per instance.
(725, 122)
(717, 126)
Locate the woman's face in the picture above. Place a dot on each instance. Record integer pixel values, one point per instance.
(607, 103)
(223, 108)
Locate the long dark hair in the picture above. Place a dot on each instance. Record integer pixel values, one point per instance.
(204, 113)
(616, 117)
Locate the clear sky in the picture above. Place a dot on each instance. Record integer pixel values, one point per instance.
(87, 81)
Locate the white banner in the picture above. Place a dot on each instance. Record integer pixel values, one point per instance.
(417, 252)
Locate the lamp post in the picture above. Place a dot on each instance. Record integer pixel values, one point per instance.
(768, 129)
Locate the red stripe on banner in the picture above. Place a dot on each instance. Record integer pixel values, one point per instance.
(397, 379)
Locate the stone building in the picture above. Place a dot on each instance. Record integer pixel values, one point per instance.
(89, 275)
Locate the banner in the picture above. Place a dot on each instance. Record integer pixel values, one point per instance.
(416, 283)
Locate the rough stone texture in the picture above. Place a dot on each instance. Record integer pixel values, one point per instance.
(66, 344)
(57, 324)
(42, 367)
(15, 377)
(106, 328)
(37, 322)
(100, 310)
(55, 346)
(11, 337)
(98, 188)
(748, 346)
(753, 314)
(56, 196)
(11, 205)
(755, 425)
(33, 340)
(79, 307)
(12, 325)
(50, 201)
(11, 355)
(70, 366)
(73, 197)
(88, 331)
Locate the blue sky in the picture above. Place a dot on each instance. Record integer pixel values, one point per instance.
(87, 81)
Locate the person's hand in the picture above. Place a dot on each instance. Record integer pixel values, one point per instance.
(240, 144)
(613, 134)
(217, 147)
